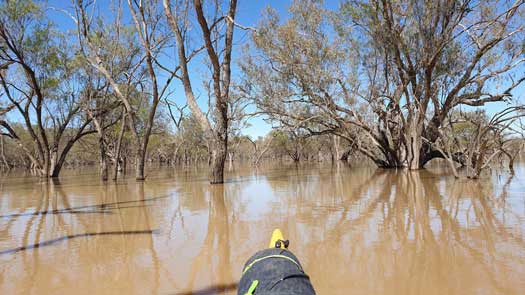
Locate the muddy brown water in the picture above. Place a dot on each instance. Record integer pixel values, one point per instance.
(355, 230)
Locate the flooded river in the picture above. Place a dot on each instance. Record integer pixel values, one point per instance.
(355, 230)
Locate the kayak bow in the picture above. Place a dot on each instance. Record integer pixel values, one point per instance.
(274, 271)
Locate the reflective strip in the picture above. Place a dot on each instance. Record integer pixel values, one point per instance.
(270, 256)
(252, 287)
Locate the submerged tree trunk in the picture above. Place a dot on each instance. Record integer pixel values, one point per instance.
(218, 158)
(414, 146)
(335, 152)
(230, 161)
(118, 166)
(123, 164)
(56, 168)
(103, 164)
(103, 159)
(4, 160)
(58, 161)
(139, 163)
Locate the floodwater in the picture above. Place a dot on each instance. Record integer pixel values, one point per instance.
(355, 230)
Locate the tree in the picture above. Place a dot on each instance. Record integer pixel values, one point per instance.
(479, 139)
(131, 68)
(192, 142)
(439, 56)
(219, 57)
(101, 107)
(385, 74)
(42, 85)
(260, 147)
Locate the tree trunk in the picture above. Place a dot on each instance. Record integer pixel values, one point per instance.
(4, 160)
(414, 149)
(103, 160)
(57, 167)
(59, 159)
(218, 158)
(118, 166)
(230, 161)
(511, 166)
(123, 164)
(52, 163)
(410, 155)
(336, 140)
(139, 163)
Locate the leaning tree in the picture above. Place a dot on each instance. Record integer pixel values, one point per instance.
(130, 58)
(216, 33)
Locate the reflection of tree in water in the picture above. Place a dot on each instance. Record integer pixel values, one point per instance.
(364, 230)
(393, 232)
(110, 228)
(214, 257)
(48, 215)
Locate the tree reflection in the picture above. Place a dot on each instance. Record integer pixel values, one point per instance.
(409, 230)
(356, 231)
(214, 256)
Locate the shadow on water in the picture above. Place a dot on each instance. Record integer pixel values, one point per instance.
(69, 237)
(211, 290)
(91, 209)
(59, 211)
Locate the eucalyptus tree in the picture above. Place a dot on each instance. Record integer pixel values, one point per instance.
(216, 33)
(298, 72)
(41, 87)
(385, 74)
(101, 107)
(129, 59)
(437, 57)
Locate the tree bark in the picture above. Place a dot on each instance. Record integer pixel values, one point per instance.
(139, 163)
(218, 158)
(118, 148)
(103, 159)
(4, 160)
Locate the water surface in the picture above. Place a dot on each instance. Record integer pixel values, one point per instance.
(355, 230)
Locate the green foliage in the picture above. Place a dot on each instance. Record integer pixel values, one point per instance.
(466, 125)
(20, 10)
